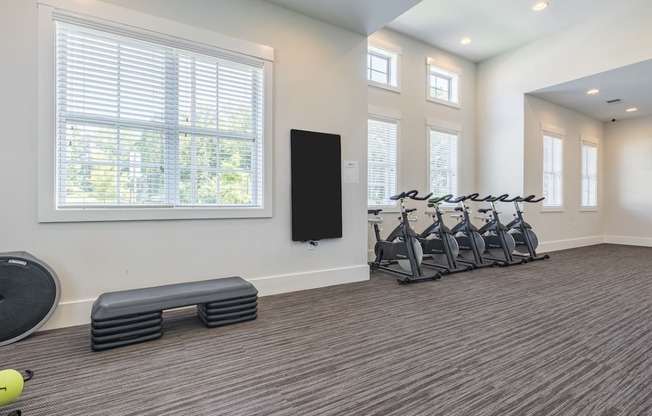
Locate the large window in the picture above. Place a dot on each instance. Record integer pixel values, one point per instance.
(382, 161)
(443, 161)
(443, 84)
(589, 175)
(553, 178)
(383, 65)
(144, 121)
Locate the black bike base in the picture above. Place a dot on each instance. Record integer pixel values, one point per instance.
(533, 258)
(448, 270)
(408, 280)
(480, 265)
(406, 277)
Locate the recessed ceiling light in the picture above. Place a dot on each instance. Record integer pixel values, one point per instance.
(629, 110)
(465, 41)
(593, 91)
(540, 6)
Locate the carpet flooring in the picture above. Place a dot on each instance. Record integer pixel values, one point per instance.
(571, 335)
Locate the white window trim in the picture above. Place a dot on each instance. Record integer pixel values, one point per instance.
(392, 115)
(431, 62)
(590, 141)
(561, 132)
(445, 125)
(113, 15)
(393, 50)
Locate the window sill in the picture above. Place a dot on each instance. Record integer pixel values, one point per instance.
(148, 214)
(446, 103)
(386, 87)
(552, 209)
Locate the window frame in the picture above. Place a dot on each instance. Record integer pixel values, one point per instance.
(588, 142)
(556, 133)
(390, 116)
(392, 53)
(445, 127)
(455, 83)
(147, 26)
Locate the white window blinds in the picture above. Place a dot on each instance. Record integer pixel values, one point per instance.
(589, 174)
(142, 121)
(552, 170)
(443, 162)
(382, 161)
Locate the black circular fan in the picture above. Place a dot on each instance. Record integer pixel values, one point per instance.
(29, 294)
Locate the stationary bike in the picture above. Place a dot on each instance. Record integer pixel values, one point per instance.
(467, 235)
(401, 246)
(498, 241)
(526, 240)
(438, 242)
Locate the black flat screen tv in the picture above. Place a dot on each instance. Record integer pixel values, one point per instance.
(316, 172)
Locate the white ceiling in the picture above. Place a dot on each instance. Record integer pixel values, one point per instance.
(360, 16)
(630, 84)
(496, 27)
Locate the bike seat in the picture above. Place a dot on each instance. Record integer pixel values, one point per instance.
(408, 210)
(374, 211)
(484, 210)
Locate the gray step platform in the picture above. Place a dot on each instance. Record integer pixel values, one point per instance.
(131, 316)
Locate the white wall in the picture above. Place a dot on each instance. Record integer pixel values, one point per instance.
(416, 109)
(618, 39)
(320, 84)
(628, 174)
(573, 226)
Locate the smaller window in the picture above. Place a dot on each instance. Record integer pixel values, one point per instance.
(443, 85)
(589, 175)
(553, 179)
(382, 160)
(383, 65)
(442, 164)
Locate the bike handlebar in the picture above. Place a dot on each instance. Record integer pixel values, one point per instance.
(496, 198)
(456, 200)
(411, 195)
(475, 197)
(440, 198)
(503, 198)
(530, 198)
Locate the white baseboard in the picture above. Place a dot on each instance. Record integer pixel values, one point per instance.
(70, 314)
(311, 280)
(570, 243)
(628, 241)
(79, 312)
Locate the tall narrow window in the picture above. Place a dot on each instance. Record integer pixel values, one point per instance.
(589, 175)
(144, 121)
(383, 65)
(443, 145)
(553, 179)
(443, 84)
(382, 161)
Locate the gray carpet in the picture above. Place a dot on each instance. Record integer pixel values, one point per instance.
(567, 336)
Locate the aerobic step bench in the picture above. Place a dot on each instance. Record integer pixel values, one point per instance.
(130, 316)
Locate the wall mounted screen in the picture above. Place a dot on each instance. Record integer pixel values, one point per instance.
(316, 185)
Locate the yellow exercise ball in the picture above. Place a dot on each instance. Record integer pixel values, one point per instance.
(11, 385)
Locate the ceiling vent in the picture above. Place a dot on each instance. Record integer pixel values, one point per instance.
(615, 101)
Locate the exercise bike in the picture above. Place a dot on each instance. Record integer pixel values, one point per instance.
(438, 242)
(526, 240)
(402, 246)
(499, 243)
(467, 235)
